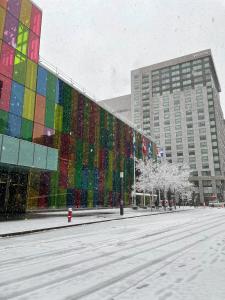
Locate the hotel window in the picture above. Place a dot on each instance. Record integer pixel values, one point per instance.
(177, 121)
(180, 160)
(179, 147)
(205, 166)
(178, 127)
(204, 151)
(202, 130)
(179, 133)
(202, 137)
(203, 144)
(190, 132)
(201, 117)
(167, 122)
(204, 158)
(201, 124)
(189, 119)
(192, 159)
(176, 78)
(167, 128)
(167, 135)
(191, 146)
(190, 125)
(192, 166)
(190, 139)
(178, 140)
(191, 152)
(166, 116)
(186, 82)
(167, 141)
(180, 153)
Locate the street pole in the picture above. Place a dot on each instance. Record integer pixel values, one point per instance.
(121, 197)
(134, 150)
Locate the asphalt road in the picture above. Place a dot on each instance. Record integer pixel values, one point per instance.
(170, 256)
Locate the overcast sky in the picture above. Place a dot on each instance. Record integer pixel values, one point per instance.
(98, 42)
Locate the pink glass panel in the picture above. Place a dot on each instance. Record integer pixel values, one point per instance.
(33, 47)
(7, 60)
(10, 30)
(5, 91)
(35, 22)
(14, 7)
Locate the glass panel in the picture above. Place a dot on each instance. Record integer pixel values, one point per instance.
(26, 153)
(52, 159)
(26, 130)
(58, 117)
(25, 12)
(33, 47)
(40, 156)
(6, 60)
(14, 7)
(3, 121)
(39, 116)
(22, 39)
(49, 137)
(29, 103)
(10, 150)
(5, 91)
(10, 30)
(38, 133)
(1, 137)
(35, 22)
(19, 73)
(3, 3)
(2, 21)
(31, 75)
(42, 81)
(14, 125)
(16, 103)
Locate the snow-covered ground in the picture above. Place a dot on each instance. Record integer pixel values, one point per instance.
(58, 219)
(168, 256)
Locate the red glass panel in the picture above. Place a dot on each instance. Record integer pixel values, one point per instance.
(3, 3)
(5, 91)
(38, 133)
(33, 47)
(39, 116)
(35, 22)
(7, 60)
(63, 180)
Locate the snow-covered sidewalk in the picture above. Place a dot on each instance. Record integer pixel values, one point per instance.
(54, 220)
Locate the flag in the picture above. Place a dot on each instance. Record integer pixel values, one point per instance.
(149, 150)
(134, 145)
(144, 148)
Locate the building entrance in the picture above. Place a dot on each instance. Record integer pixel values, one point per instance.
(13, 192)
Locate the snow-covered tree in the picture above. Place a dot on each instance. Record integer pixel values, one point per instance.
(163, 176)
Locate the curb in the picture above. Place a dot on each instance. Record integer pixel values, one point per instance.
(25, 232)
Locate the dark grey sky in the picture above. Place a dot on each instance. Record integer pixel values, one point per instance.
(98, 42)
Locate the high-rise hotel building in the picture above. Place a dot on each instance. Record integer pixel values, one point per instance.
(178, 102)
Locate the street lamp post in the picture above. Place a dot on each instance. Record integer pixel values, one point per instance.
(121, 191)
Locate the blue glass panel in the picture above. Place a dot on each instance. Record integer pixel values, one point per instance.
(40, 156)
(52, 159)
(57, 91)
(14, 125)
(26, 153)
(42, 81)
(16, 102)
(10, 150)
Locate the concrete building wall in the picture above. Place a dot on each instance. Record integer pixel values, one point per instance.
(119, 105)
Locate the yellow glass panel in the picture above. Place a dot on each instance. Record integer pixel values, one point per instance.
(31, 75)
(25, 12)
(58, 117)
(2, 21)
(28, 105)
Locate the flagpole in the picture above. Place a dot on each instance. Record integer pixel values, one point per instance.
(134, 150)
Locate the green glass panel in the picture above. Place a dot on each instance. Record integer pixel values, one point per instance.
(49, 114)
(26, 130)
(1, 138)
(3, 121)
(40, 156)
(10, 150)
(22, 39)
(52, 159)
(51, 87)
(19, 73)
(26, 153)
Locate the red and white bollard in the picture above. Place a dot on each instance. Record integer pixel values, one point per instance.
(70, 214)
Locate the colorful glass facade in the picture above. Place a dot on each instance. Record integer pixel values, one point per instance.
(36, 106)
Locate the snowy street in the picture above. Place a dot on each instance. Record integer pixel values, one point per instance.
(162, 257)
